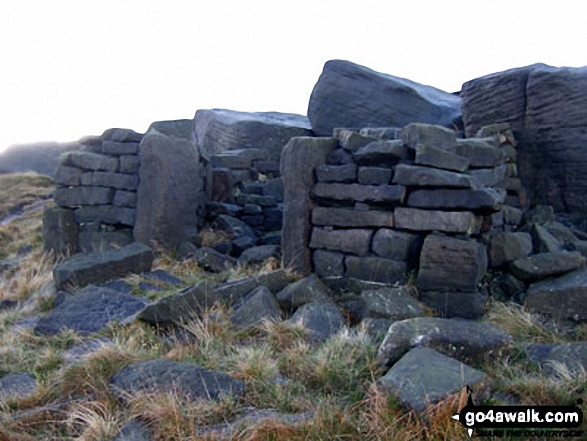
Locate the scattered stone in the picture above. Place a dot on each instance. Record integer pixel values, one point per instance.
(376, 269)
(561, 233)
(382, 153)
(235, 227)
(259, 305)
(356, 241)
(540, 214)
(81, 351)
(477, 200)
(15, 386)
(437, 157)
(211, 260)
(541, 266)
(507, 247)
(307, 290)
(259, 254)
(449, 304)
(321, 319)
(417, 385)
(222, 188)
(342, 217)
(391, 303)
(376, 328)
(83, 269)
(186, 379)
(467, 341)
(567, 359)
(512, 215)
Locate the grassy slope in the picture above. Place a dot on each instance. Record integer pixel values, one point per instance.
(281, 370)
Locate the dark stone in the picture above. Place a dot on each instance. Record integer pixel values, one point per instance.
(267, 167)
(211, 260)
(328, 263)
(374, 175)
(382, 153)
(342, 217)
(237, 159)
(222, 189)
(261, 200)
(242, 243)
(376, 328)
(120, 148)
(185, 379)
(466, 340)
(507, 247)
(540, 214)
(541, 266)
(449, 304)
(218, 130)
(83, 269)
(249, 209)
(215, 209)
(299, 158)
(259, 305)
(340, 157)
(417, 386)
(129, 164)
(543, 241)
(561, 233)
(89, 161)
(307, 290)
(417, 134)
(450, 264)
(108, 214)
(167, 200)
(121, 135)
(124, 198)
(253, 221)
(336, 173)
(376, 269)
(274, 188)
(480, 153)
(115, 180)
(351, 140)
(566, 359)
(273, 238)
(490, 177)
(162, 276)
(15, 386)
(68, 176)
(102, 241)
(432, 156)
(320, 319)
(178, 128)
(356, 241)
(562, 297)
(417, 176)
(349, 95)
(77, 196)
(380, 132)
(351, 193)
(259, 254)
(134, 430)
(512, 215)
(60, 231)
(477, 200)
(428, 220)
(397, 245)
(235, 227)
(392, 303)
(6, 304)
(89, 310)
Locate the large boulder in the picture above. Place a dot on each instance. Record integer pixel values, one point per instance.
(217, 130)
(350, 95)
(168, 193)
(546, 109)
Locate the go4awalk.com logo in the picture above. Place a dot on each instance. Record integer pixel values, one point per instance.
(521, 421)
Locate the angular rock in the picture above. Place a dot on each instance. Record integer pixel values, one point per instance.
(433, 156)
(374, 175)
(259, 305)
(68, 176)
(222, 189)
(417, 176)
(218, 130)
(349, 95)
(121, 135)
(490, 177)
(89, 310)
(186, 379)
(541, 266)
(83, 269)
(340, 156)
(450, 264)
(115, 180)
(572, 358)
(342, 217)
(231, 292)
(356, 241)
(274, 188)
(120, 148)
(125, 199)
(449, 304)
(480, 153)
(108, 214)
(178, 128)
(336, 173)
(380, 132)
(89, 161)
(477, 200)
(561, 232)
(382, 153)
(211, 260)
(237, 159)
(417, 134)
(351, 140)
(396, 245)
(392, 303)
(259, 254)
(320, 319)
(512, 215)
(543, 241)
(467, 341)
(540, 214)
(167, 197)
(414, 219)
(417, 386)
(563, 297)
(351, 193)
(82, 351)
(376, 269)
(299, 158)
(60, 231)
(17, 386)
(77, 196)
(376, 328)
(507, 247)
(234, 226)
(328, 263)
(307, 290)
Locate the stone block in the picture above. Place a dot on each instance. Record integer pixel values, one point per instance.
(89, 161)
(480, 152)
(445, 221)
(124, 198)
(419, 176)
(328, 263)
(121, 135)
(437, 157)
(376, 269)
(68, 176)
(274, 188)
(429, 135)
(351, 193)
(450, 304)
(507, 247)
(120, 148)
(355, 241)
(340, 157)
(374, 175)
(490, 177)
(351, 140)
(336, 173)
(108, 214)
(342, 217)
(382, 153)
(60, 231)
(80, 196)
(115, 180)
(397, 245)
(540, 266)
(129, 164)
(222, 189)
(484, 200)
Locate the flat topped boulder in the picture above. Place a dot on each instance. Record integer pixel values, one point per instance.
(217, 130)
(350, 95)
(83, 269)
(540, 266)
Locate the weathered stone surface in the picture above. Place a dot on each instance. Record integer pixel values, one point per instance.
(328, 263)
(259, 254)
(543, 241)
(466, 340)
(134, 430)
(417, 385)
(540, 214)
(376, 328)
(89, 161)
(397, 245)
(234, 226)
(129, 164)
(186, 379)
(60, 232)
(351, 140)
(480, 153)
(490, 177)
(561, 232)
(449, 304)
(541, 266)
(336, 173)
(120, 148)
(356, 241)
(351, 193)
(450, 264)
(342, 217)
(299, 158)
(274, 188)
(382, 153)
(307, 290)
(213, 261)
(103, 241)
(478, 200)
(167, 196)
(237, 159)
(417, 176)
(374, 175)
(77, 196)
(218, 130)
(320, 319)
(376, 269)
(114, 180)
(437, 157)
(83, 269)
(507, 247)
(339, 157)
(392, 303)
(68, 176)
(259, 305)
(261, 200)
(417, 134)
(380, 132)
(89, 310)
(108, 214)
(572, 358)
(562, 297)
(428, 220)
(124, 198)
(349, 95)
(17, 386)
(121, 135)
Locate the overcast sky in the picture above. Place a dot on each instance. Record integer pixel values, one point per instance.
(70, 68)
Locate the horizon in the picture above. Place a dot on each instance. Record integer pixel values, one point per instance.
(76, 69)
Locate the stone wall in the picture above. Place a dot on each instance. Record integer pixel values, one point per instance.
(416, 207)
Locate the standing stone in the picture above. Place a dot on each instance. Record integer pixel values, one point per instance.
(298, 160)
(167, 196)
(60, 231)
(349, 95)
